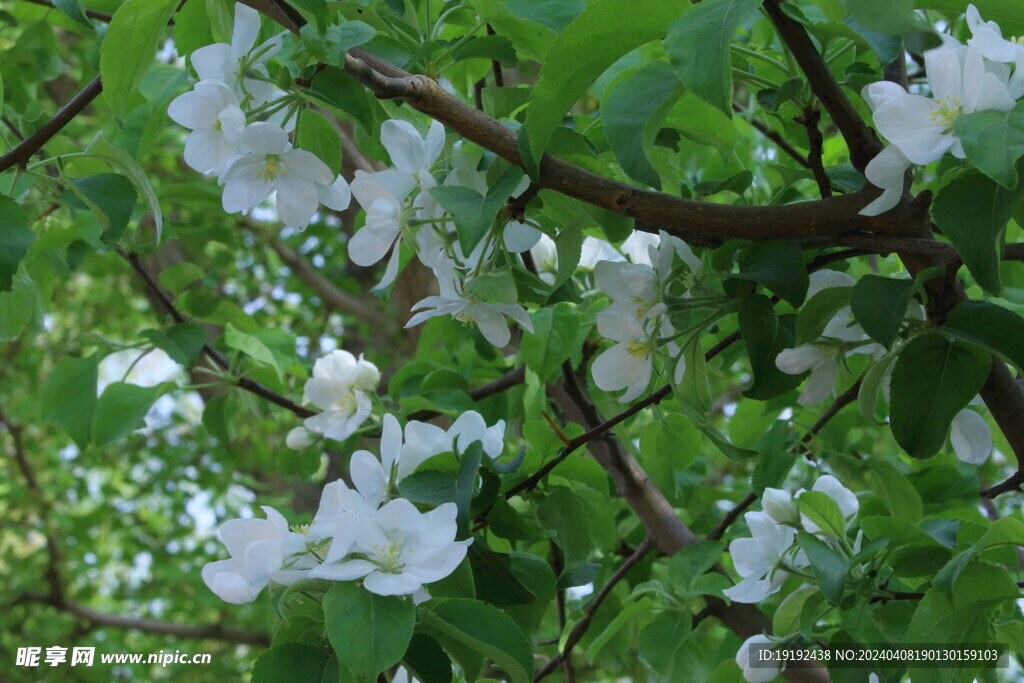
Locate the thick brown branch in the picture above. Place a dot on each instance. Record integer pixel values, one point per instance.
(20, 155)
(103, 619)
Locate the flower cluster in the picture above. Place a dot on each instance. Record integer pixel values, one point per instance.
(763, 558)
(963, 79)
(638, 317)
(842, 337)
(366, 533)
(401, 210)
(252, 160)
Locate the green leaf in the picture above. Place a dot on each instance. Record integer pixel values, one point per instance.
(495, 581)
(183, 342)
(483, 629)
(880, 305)
(192, 28)
(934, 379)
(991, 10)
(822, 511)
(562, 511)
(829, 568)
(692, 562)
(316, 134)
(661, 639)
(179, 276)
(498, 286)
(531, 39)
(112, 198)
(867, 397)
(69, 397)
(776, 460)
(427, 661)
(494, 48)
(1005, 531)
(633, 111)
(897, 493)
(669, 446)
(695, 386)
(554, 335)
(128, 48)
(473, 213)
(737, 183)
(72, 9)
(765, 336)
(605, 31)
(291, 662)
(121, 409)
(331, 46)
(994, 141)
(991, 326)
(275, 348)
(892, 18)
(123, 163)
(15, 238)
(568, 249)
(428, 486)
(972, 211)
(369, 632)
(789, 615)
(625, 615)
(777, 265)
(336, 89)
(817, 313)
(17, 306)
(698, 47)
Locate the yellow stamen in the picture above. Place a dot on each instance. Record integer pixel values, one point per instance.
(946, 111)
(271, 168)
(639, 349)
(463, 317)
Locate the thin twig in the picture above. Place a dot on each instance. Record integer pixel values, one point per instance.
(816, 144)
(20, 155)
(779, 141)
(583, 624)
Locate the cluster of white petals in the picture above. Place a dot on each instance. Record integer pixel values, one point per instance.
(251, 159)
(364, 533)
(341, 387)
(963, 79)
(841, 337)
(638, 316)
(759, 558)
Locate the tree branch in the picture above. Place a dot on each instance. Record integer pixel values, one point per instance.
(20, 155)
(580, 629)
(860, 139)
(213, 354)
(91, 13)
(103, 619)
(780, 141)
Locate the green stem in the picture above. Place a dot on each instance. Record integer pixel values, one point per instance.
(753, 54)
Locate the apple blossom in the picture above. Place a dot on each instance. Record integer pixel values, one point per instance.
(237, 65)
(488, 317)
(340, 387)
(757, 558)
(396, 549)
(260, 550)
(744, 659)
(970, 437)
(212, 113)
(273, 166)
(299, 439)
(779, 505)
(381, 195)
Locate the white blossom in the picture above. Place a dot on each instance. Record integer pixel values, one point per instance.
(211, 112)
(259, 549)
(970, 437)
(340, 386)
(298, 439)
(779, 505)
(488, 317)
(396, 549)
(757, 558)
(756, 674)
(273, 166)
(233, 65)
(381, 195)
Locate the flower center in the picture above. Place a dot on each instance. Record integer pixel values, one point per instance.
(464, 317)
(945, 111)
(642, 306)
(348, 402)
(1017, 40)
(639, 349)
(218, 126)
(271, 168)
(389, 557)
